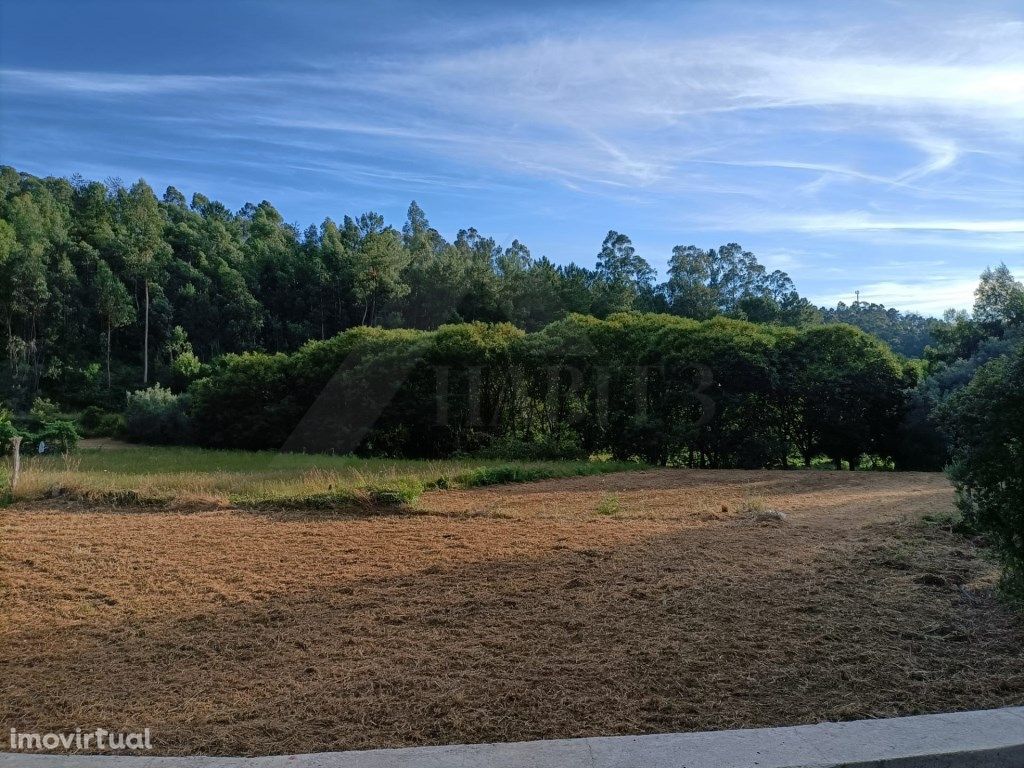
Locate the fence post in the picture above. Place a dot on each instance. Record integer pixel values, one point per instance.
(16, 449)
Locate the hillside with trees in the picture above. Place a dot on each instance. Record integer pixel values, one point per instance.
(105, 287)
(907, 333)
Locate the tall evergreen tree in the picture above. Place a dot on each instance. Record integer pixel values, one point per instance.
(114, 304)
(140, 240)
(622, 273)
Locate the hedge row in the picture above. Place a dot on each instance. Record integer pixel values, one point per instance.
(655, 387)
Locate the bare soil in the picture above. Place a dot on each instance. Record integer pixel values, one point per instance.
(630, 603)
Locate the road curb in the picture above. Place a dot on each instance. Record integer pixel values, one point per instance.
(982, 739)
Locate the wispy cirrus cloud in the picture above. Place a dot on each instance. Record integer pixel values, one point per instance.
(117, 83)
(860, 222)
(899, 125)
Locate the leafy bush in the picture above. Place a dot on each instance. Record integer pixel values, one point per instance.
(7, 430)
(718, 393)
(89, 419)
(58, 435)
(986, 421)
(499, 476)
(97, 422)
(157, 415)
(185, 369)
(395, 493)
(242, 403)
(564, 446)
(111, 425)
(44, 410)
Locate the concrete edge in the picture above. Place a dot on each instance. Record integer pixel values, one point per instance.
(980, 739)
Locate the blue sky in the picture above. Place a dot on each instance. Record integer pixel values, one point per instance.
(872, 145)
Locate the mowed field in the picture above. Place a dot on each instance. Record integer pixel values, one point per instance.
(646, 601)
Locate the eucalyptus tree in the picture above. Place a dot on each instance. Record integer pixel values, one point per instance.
(114, 304)
(379, 263)
(999, 299)
(140, 228)
(622, 274)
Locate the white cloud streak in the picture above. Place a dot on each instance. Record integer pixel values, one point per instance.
(907, 127)
(929, 297)
(860, 222)
(117, 84)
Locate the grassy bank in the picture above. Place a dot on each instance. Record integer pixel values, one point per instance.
(159, 475)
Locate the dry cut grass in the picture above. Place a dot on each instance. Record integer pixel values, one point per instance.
(638, 602)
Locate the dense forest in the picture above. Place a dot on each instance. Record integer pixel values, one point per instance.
(106, 288)
(908, 333)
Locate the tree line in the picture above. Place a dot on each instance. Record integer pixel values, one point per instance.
(105, 287)
(662, 389)
(908, 333)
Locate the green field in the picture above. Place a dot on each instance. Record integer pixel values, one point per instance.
(144, 474)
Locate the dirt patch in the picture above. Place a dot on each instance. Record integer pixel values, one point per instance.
(502, 614)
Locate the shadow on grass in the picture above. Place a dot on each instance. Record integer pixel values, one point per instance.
(598, 629)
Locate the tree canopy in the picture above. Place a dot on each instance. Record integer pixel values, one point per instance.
(95, 276)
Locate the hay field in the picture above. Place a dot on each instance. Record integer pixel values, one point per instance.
(123, 474)
(661, 600)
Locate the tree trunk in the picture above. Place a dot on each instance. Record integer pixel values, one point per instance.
(108, 354)
(145, 340)
(16, 469)
(36, 365)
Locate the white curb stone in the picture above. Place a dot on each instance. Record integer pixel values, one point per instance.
(985, 739)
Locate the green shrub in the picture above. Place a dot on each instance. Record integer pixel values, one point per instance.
(500, 475)
(563, 446)
(395, 493)
(89, 419)
(58, 435)
(185, 369)
(111, 425)
(7, 430)
(44, 410)
(609, 505)
(157, 415)
(986, 421)
(244, 402)
(717, 393)
(97, 422)
(509, 473)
